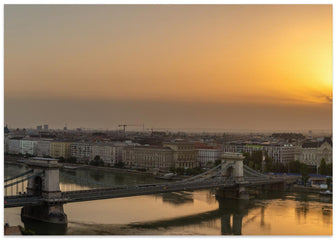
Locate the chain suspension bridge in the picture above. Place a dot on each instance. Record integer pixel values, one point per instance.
(39, 188)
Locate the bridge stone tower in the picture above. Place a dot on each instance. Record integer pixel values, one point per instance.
(236, 170)
(45, 185)
(232, 168)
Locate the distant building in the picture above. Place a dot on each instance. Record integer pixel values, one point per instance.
(14, 146)
(148, 157)
(280, 153)
(184, 154)
(60, 149)
(27, 146)
(311, 153)
(42, 148)
(106, 151)
(207, 155)
(119, 146)
(82, 151)
(46, 127)
(39, 127)
(234, 147)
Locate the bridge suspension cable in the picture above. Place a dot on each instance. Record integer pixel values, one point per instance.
(24, 179)
(254, 172)
(18, 184)
(217, 174)
(17, 176)
(202, 174)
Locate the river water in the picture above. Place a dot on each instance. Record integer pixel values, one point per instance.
(182, 213)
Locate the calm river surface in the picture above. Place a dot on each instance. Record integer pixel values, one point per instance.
(183, 213)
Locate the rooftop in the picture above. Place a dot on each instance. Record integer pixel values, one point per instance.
(317, 144)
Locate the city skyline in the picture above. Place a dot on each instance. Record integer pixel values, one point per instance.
(264, 67)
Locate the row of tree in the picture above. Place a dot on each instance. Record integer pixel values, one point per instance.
(188, 171)
(325, 169)
(254, 161)
(97, 161)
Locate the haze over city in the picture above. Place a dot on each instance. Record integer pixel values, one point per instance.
(265, 67)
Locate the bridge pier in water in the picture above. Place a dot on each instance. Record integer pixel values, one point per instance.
(239, 192)
(46, 186)
(45, 213)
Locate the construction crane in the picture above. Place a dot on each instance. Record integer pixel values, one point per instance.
(126, 125)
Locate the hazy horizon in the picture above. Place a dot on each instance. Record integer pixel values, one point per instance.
(258, 67)
(83, 113)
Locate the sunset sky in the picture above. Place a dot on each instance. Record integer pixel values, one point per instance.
(264, 67)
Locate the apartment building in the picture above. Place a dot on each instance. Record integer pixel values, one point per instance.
(14, 146)
(42, 148)
(60, 149)
(282, 153)
(207, 155)
(184, 154)
(119, 146)
(27, 146)
(148, 157)
(82, 151)
(106, 151)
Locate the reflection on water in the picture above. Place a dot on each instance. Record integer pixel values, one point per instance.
(184, 213)
(177, 198)
(301, 210)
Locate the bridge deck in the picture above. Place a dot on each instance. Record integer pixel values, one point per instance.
(147, 189)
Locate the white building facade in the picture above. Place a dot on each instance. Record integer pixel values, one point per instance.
(27, 146)
(148, 157)
(42, 148)
(14, 146)
(105, 151)
(311, 153)
(82, 151)
(206, 156)
(279, 153)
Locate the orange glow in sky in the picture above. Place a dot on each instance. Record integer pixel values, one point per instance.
(262, 54)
